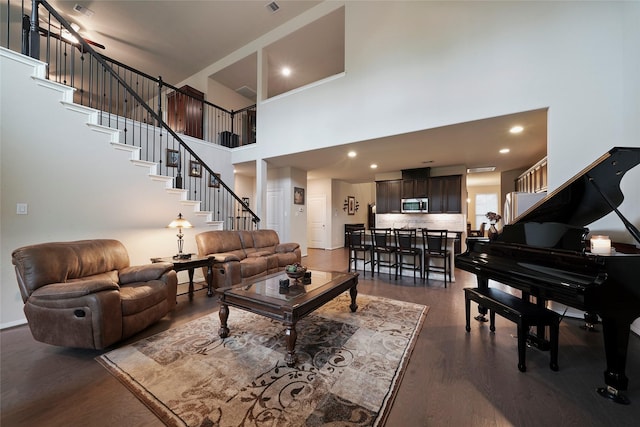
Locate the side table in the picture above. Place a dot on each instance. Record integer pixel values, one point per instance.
(190, 265)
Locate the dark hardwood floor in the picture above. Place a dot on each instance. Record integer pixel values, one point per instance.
(454, 378)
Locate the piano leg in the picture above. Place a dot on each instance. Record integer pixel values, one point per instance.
(483, 283)
(616, 342)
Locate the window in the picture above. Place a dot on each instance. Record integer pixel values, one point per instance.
(485, 203)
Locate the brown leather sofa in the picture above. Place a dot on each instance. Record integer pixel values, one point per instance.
(245, 255)
(85, 294)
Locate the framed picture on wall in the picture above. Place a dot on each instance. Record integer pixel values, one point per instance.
(173, 158)
(214, 180)
(195, 169)
(245, 200)
(298, 196)
(351, 205)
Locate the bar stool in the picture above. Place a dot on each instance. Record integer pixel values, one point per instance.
(408, 252)
(384, 252)
(358, 250)
(435, 244)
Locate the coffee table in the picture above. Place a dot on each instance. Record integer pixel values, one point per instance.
(264, 297)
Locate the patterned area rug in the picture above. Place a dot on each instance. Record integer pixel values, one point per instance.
(349, 367)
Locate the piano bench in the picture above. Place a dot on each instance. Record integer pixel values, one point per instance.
(522, 312)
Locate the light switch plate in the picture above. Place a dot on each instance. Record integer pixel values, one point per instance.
(22, 209)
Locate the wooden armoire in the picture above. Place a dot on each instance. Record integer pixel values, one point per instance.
(184, 111)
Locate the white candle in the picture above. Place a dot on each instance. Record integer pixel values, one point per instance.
(600, 245)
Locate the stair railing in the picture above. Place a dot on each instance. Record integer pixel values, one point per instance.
(122, 96)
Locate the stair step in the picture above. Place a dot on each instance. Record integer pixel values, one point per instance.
(66, 91)
(92, 113)
(193, 203)
(161, 178)
(217, 225)
(143, 163)
(179, 191)
(135, 151)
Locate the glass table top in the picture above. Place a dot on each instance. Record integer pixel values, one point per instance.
(270, 286)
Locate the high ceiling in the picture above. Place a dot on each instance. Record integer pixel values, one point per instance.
(473, 144)
(176, 39)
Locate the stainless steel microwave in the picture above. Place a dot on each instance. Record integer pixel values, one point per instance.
(414, 206)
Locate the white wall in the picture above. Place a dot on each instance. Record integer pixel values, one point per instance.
(295, 216)
(76, 185)
(417, 65)
(341, 190)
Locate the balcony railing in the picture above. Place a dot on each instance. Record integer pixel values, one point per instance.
(151, 114)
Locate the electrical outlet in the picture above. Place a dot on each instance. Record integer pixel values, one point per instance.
(22, 209)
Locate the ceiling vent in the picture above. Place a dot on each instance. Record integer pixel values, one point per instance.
(247, 92)
(273, 7)
(83, 10)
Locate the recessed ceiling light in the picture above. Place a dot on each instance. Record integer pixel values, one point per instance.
(516, 129)
(373, 166)
(504, 151)
(482, 169)
(352, 154)
(286, 71)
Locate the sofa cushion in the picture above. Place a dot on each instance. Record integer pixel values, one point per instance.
(259, 254)
(285, 259)
(142, 273)
(265, 240)
(139, 296)
(75, 289)
(253, 266)
(226, 257)
(220, 241)
(247, 242)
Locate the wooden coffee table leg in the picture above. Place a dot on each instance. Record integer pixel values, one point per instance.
(224, 315)
(292, 335)
(354, 293)
(210, 280)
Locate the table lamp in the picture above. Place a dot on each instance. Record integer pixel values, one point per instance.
(180, 223)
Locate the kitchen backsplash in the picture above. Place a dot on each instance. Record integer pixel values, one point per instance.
(451, 222)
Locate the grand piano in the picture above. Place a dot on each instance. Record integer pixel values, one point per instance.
(544, 253)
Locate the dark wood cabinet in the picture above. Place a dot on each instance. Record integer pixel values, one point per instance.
(388, 194)
(249, 131)
(445, 194)
(184, 111)
(414, 188)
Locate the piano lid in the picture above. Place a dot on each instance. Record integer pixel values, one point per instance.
(583, 199)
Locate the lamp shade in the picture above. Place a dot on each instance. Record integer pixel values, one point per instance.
(180, 223)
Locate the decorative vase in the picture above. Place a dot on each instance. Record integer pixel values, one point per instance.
(493, 231)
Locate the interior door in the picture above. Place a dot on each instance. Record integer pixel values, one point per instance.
(317, 220)
(275, 210)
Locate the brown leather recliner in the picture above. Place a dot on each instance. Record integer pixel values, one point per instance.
(85, 294)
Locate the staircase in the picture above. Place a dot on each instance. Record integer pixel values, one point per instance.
(115, 99)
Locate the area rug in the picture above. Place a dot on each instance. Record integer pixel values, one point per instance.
(348, 371)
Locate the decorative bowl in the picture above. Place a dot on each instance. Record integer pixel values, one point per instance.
(299, 273)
